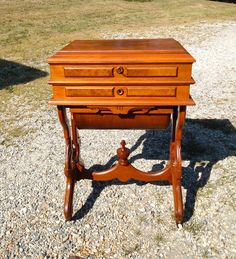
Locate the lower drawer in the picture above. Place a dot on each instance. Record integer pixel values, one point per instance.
(127, 121)
(120, 91)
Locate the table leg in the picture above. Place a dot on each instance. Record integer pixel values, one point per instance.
(69, 164)
(176, 160)
(68, 198)
(75, 144)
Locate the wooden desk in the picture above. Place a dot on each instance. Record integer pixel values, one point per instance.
(122, 84)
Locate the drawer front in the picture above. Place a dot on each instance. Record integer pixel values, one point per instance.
(113, 121)
(119, 91)
(121, 74)
(121, 95)
(118, 71)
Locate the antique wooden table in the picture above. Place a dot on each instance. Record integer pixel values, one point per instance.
(122, 84)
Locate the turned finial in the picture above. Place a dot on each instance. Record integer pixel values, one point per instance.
(123, 154)
(123, 143)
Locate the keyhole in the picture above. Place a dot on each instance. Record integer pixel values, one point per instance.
(120, 70)
(120, 91)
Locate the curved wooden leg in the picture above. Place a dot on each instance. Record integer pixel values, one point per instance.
(75, 143)
(68, 200)
(69, 164)
(176, 161)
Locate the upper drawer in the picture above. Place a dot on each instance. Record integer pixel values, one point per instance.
(120, 74)
(127, 71)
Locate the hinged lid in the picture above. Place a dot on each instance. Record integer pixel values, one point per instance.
(123, 51)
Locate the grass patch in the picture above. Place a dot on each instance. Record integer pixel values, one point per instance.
(142, 219)
(30, 31)
(194, 227)
(16, 132)
(131, 250)
(137, 232)
(141, 1)
(159, 238)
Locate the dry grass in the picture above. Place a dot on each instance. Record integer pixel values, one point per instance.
(32, 30)
(194, 227)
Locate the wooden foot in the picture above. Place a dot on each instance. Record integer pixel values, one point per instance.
(178, 202)
(68, 200)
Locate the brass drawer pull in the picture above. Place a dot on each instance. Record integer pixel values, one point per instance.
(120, 91)
(120, 70)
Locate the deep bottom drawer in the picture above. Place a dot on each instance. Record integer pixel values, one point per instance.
(129, 121)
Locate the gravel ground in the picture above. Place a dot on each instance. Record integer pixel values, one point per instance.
(133, 220)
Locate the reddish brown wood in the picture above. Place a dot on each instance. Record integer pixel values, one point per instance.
(122, 84)
(88, 71)
(88, 91)
(114, 121)
(151, 71)
(142, 74)
(69, 169)
(123, 154)
(176, 161)
(126, 45)
(124, 171)
(151, 91)
(132, 101)
(119, 51)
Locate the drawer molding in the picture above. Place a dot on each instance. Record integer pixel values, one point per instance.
(151, 72)
(119, 109)
(89, 91)
(152, 92)
(88, 71)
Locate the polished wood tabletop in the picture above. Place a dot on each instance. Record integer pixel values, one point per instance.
(122, 84)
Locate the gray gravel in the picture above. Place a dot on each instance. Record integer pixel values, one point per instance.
(132, 220)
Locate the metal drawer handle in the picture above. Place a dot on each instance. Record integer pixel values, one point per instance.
(120, 91)
(120, 70)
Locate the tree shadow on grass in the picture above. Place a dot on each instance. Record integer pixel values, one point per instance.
(205, 142)
(12, 73)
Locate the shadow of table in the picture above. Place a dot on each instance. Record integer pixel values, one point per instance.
(205, 142)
